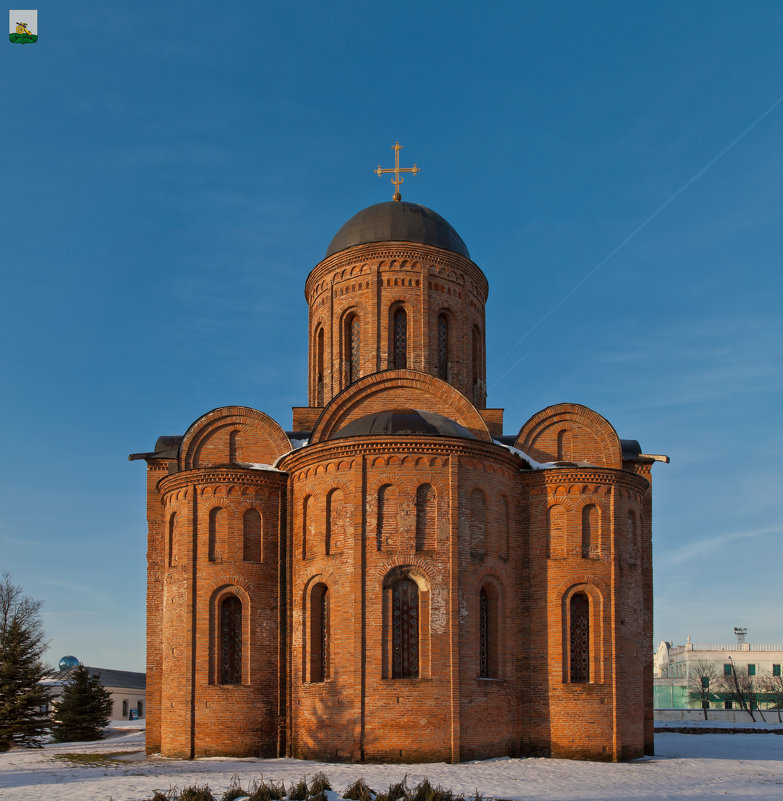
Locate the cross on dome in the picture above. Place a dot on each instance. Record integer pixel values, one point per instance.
(379, 171)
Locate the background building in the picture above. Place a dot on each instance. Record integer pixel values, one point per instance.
(127, 688)
(674, 667)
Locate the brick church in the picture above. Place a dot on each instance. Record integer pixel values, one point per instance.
(396, 578)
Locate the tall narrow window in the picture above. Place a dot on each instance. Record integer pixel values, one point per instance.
(217, 522)
(483, 634)
(478, 522)
(233, 447)
(476, 370)
(633, 536)
(172, 525)
(504, 531)
(252, 536)
(335, 522)
(589, 530)
(387, 517)
(352, 350)
(400, 339)
(231, 641)
(555, 531)
(319, 368)
(443, 347)
(579, 608)
(319, 633)
(564, 445)
(405, 629)
(426, 518)
(307, 511)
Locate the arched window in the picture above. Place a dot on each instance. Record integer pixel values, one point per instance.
(478, 522)
(307, 512)
(233, 447)
(505, 528)
(405, 629)
(231, 640)
(564, 445)
(475, 357)
(488, 632)
(443, 347)
(352, 352)
(335, 522)
(589, 530)
(579, 634)
(172, 524)
(387, 517)
(319, 368)
(400, 339)
(319, 633)
(217, 524)
(426, 518)
(252, 536)
(633, 536)
(555, 531)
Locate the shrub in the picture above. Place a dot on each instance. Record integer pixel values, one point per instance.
(298, 791)
(399, 790)
(358, 791)
(319, 784)
(234, 790)
(196, 793)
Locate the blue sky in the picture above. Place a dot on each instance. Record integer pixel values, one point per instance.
(174, 170)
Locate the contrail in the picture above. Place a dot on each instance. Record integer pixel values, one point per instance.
(635, 231)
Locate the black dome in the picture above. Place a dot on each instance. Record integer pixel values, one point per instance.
(402, 422)
(397, 221)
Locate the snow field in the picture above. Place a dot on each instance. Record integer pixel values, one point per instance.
(702, 767)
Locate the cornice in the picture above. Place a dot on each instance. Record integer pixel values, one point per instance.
(375, 253)
(595, 475)
(219, 475)
(382, 446)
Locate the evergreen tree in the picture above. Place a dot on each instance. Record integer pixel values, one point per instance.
(84, 708)
(23, 699)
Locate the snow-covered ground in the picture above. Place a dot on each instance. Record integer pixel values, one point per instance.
(701, 767)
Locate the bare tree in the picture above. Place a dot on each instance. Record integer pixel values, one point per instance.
(772, 685)
(741, 687)
(703, 680)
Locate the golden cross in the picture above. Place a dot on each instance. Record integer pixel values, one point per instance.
(396, 147)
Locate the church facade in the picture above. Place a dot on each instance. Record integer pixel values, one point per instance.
(395, 578)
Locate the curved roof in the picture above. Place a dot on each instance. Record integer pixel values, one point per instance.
(403, 422)
(398, 221)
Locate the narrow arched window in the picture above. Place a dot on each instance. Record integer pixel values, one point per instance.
(426, 518)
(400, 339)
(589, 530)
(475, 358)
(231, 640)
(633, 537)
(387, 517)
(505, 527)
(252, 536)
(319, 368)
(335, 522)
(172, 525)
(352, 351)
(478, 522)
(483, 634)
(319, 633)
(405, 629)
(555, 531)
(564, 445)
(217, 522)
(579, 615)
(307, 511)
(233, 447)
(443, 347)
